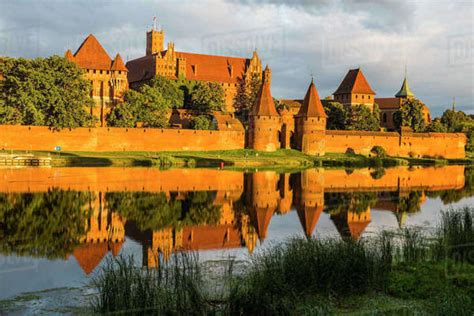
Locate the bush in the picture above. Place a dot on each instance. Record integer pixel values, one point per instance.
(279, 277)
(379, 151)
(201, 122)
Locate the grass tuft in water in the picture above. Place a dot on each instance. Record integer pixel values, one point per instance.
(172, 288)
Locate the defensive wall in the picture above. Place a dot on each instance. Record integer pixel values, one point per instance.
(102, 139)
(231, 183)
(435, 145)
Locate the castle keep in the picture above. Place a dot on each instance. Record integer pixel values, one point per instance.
(224, 70)
(108, 77)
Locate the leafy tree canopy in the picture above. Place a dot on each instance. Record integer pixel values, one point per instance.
(336, 115)
(247, 91)
(207, 97)
(360, 117)
(454, 120)
(436, 126)
(411, 115)
(44, 91)
(201, 122)
(43, 224)
(171, 90)
(147, 106)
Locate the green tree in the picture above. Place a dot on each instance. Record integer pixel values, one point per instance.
(43, 224)
(436, 126)
(470, 140)
(171, 90)
(411, 115)
(207, 97)
(147, 210)
(360, 117)
(44, 91)
(247, 91)
(201, 122)
(146, 106)
(454, 120)
(336, 115)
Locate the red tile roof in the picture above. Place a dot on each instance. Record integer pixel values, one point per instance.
(213, 68)
(388, 103)
(312, 106)
(205, 237)
(91, 55)
(118, 64)
(354, 82)
(309, 217)
(143, 68)
(89, 255)
(262, 219)
(264, 104)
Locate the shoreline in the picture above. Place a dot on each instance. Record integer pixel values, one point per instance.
(233, 159)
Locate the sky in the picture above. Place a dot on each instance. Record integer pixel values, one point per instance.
(300, 39)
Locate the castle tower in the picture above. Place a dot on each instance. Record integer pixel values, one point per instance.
(311, 124)
(286, 194)
(264, 120)
(309, 198)
(262, 199)
(355, 89)
(154, 41)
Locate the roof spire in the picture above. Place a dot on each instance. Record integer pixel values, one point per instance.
(405, 91)
(312, 106)
(264, 104)
(454, 104)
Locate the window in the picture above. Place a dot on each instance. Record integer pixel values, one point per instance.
(384, 117)
(369, 97)
(357, 96)
(362, 97)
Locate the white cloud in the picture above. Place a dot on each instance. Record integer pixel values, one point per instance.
(297, 38)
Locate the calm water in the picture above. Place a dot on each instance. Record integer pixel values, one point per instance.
(57, 225)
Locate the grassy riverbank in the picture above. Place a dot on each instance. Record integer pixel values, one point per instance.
(237, 159)
(403, 272)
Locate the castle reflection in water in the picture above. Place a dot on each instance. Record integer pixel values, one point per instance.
(202, 209)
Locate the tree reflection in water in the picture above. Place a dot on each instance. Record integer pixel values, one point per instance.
(46, 224)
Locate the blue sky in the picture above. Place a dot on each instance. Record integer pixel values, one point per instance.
(323, 38)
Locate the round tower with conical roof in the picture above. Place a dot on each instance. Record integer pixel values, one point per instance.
(264, 120)
(311, 124)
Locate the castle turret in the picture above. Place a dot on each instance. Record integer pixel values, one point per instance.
(262, 198)
(311, 124)
(309, 198)
(264, 120)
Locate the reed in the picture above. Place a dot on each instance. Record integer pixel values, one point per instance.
(174, 287)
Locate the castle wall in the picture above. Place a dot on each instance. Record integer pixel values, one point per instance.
(310, 133)
(263, 133)
(117, 139)
(446, 145)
